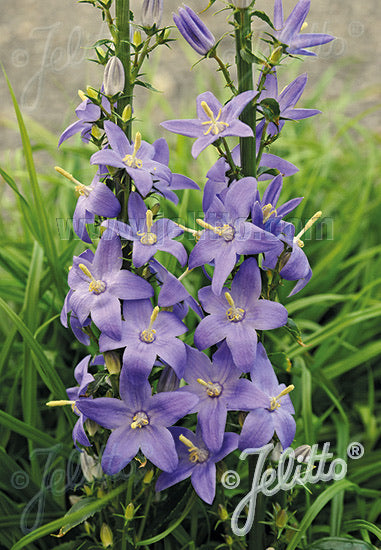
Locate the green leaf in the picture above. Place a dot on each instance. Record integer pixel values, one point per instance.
(358, 524)
(262, 15)
(249, 57)
(271, 109)
(80, 506)
(315, 508)
(24, 206)
(339, 543)
(90, 509)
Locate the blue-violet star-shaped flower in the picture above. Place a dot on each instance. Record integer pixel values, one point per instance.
(227, 234)
(98, 284)
(237, 314)
(137, 158)
(138, 420)
(219, 388)
(148, 236)
(260, 424)
(287, 100)
(147, 333)
(196, 460)
(288, 32)
(214, 120)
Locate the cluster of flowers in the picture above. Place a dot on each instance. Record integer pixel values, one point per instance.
(113, 288)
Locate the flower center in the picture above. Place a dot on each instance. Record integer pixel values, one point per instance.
(131, 160)
(213, 389)
(140, 419)
(226, 231)
(234, 314)
(149, 334)
(96, 286)
(147, 237)
(275, 401)
(215, 124)
(195, 453)
(268, 211)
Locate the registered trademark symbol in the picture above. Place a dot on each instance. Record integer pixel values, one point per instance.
(355, 450)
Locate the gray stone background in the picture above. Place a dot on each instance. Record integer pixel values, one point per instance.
(44, 45)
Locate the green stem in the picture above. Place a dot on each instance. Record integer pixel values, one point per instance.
(145, 514)
(256, 533)
(225, 72)
(122, 51)
(245, 83)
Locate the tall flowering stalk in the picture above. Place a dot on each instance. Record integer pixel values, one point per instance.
(132, 309)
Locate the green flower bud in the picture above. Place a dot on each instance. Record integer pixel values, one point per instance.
(222, 512)
(112, 361)
(126, 114)
(129, 511)
(106, 536)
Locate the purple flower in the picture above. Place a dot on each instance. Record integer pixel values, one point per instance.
(148, 236)
(218, 181)
(138, 421)
(84, 378)
(214, 120)
(265, 213)
(227, 234)
(195, 32)
(94, 200)
(289, 32)
(237, 314)
(260, 424)
(287, 100)
(196, 460)
(88, 113)
(138, 158)
(219, 388)
(295, 263)
(152, 12)
(147, 333)
(98, 284)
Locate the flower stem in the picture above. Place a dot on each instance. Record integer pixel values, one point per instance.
(122, 51)
(245, 83)
(224, 69)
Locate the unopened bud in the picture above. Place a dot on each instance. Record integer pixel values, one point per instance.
(106, 536)
(100, 493)
(241, 418)
(155, 209)
(129, 511)
(137, 39)
(276, 55)
(82, 95)
(88, 490)
(276, 452)
(281, 519)
(127, 112)
(101, 54)
(168, 380)
(112, 361)
(113, 78)
(87, 527)
(92, 92)
(91, 426)
(91, 468)
(242, 4)
(96, 132)
(152, 12)
(222, 512)
(228, 540)
(148, 477)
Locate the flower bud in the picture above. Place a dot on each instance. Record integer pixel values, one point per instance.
(112, 361)
(96, 132)
(127, 112)
(92, 92)
(137, 38)
(113, 78)
(281, 519)
(152, 12)
(276, 452)
(195, 32)
(168, 380)
(148, 477)
(91, 468)
(222, 512)
(276, 55)
(229, 541)
(129, 511)
(106, 536)
(242, 4)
